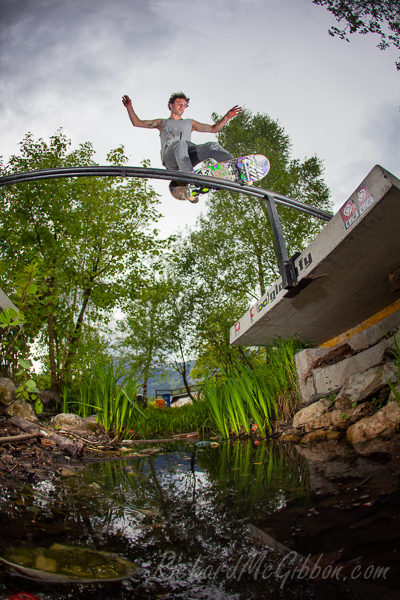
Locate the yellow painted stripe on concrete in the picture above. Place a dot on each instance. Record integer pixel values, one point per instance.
(379, 316)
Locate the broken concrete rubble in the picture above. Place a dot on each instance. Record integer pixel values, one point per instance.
(347, 388)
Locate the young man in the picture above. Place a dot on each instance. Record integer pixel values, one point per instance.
(178, 152)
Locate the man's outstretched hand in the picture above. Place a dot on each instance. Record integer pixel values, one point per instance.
(233, 112)
(126, 101)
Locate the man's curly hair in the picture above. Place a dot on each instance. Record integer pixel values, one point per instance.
(173, 97)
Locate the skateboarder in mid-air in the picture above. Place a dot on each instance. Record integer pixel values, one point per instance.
(178, 152)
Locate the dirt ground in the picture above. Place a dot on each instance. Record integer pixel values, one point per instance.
(36, 458)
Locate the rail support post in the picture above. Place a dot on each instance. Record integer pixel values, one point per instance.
(286, 264)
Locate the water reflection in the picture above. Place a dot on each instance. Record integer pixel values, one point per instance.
(181, 514)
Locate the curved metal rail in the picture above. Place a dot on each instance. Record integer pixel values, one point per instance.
(286, 264)
(150, 173)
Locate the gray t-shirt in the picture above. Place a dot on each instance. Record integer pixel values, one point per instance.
(174, 130)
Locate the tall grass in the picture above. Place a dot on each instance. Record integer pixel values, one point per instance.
(242, 395)
(184, 419)
(109, 392)
(231, 403)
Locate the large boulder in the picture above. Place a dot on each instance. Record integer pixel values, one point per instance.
(7, 391)
(359, 386)
(383, 423)
(336, 419)
(340, 419)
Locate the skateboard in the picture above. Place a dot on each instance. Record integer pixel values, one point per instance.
(245, 170)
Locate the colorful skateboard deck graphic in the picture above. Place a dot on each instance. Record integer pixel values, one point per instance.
(244, 169)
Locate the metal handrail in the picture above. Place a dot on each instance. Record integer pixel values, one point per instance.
(286, 265)
(150, 173)
(178, 391)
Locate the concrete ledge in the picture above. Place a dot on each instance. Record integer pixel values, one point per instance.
(347, 268)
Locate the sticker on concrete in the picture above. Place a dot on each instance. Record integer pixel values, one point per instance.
(353, 209)
(270, 296)
(303, 264)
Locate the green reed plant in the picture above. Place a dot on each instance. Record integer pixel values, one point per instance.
(215, 399)
(156, 422)
(110, 392)
(260, 393)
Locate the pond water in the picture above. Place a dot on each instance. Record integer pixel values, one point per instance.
(194, 519)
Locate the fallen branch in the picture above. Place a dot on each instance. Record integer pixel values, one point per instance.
(18, 438)
(77, 437)
(70, 447)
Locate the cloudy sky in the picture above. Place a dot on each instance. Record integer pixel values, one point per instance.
(68, 62)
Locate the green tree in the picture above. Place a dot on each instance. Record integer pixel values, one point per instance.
(200, 307)
(90, 236)
(158, 330)
(240, 223)
(143, 330)
(381, 17)
(228, 259)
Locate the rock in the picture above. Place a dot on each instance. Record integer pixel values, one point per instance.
(383, 423)
(342, 403)
(51, 400)
(305, 361)
(289, 436)
(340, 419)
(320, 435)
(7, 391)
(91, 423)
(360, 411)
(22, 409)
(310, 413)
(329, 378)
(373, 334)
(70, 422)
(336, 419)
(362, 385)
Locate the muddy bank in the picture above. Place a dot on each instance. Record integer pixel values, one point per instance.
(34, 451)
(36, 458)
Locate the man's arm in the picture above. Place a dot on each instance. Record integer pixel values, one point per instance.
(148, 124)
(196, 126)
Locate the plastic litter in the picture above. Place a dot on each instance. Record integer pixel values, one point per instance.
(205, 444)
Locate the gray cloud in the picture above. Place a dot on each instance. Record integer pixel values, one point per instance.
(49, 42)
(67, 63)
